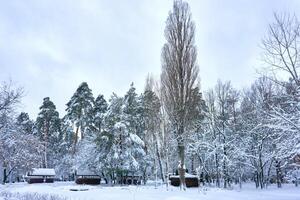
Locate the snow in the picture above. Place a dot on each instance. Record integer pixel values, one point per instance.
(85, 172)
(42, 172)
(187, 175)
(148, 192)
(119, 125)
(136, 139)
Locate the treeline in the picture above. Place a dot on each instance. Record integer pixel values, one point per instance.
(111, 138)
(224, 135)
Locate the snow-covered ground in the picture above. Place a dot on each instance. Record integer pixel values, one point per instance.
(288, 192)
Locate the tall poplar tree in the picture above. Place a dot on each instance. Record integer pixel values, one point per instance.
(179, 75)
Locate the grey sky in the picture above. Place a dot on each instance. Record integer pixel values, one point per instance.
(50, 46)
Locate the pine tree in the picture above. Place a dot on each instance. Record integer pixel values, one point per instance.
(132, 111)
(65, 151)
(25, 123)
(152, 120)
(48, 129)
(80, 111)
(100, 108)
(123, 148)
(132, 118)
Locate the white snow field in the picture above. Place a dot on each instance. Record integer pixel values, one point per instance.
(62, 189)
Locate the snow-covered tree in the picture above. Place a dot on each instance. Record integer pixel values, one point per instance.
(19, 149)
(25, 123)
(100, 108)
(48, 130)
(123, 148)
(179, 74)
(152, 119)
(66, 162)
(80, 111)
(214, 141)
(281, 56)
(133, 111)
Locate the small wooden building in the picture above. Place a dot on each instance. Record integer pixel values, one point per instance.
(40, 175)
(190, 180)
(131, 179)
(87, 177)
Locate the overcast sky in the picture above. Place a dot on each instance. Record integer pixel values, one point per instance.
(50, 46)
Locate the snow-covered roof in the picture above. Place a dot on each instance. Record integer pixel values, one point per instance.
(134, 174)
(80, 172)
(187, 175)
(42, 172)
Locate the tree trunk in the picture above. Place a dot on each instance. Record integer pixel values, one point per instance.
(181, 167)
(261, 171)
(225, 168)
(256, 179)
(217, 171)
(278, 174)
(159, 160)
(46, 136)
(45, 163)
(165, 153)
(144, 177)
(160, 166)
(76, 139)
(269, 173)
(155, 173)
(192, 164)
(167, 170)
(4, 175)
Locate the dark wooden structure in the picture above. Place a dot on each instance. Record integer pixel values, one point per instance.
(190, 180)
(131, 180)
(87, 177)
(40, 175)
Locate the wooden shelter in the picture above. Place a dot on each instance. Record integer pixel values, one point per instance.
(190, 180)
(131, 179)
(87, 177)
(40, 175)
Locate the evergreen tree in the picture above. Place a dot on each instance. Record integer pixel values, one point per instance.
(80, 111)
(122, 147)
(134, 124)
(152, 120)
(48, 129)
(132, 111)
(66, 146)
(25, 123)
(100, 108)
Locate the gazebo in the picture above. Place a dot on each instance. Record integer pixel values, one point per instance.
(40, 175)
(87, 177)
(131, 179)
(190, 180)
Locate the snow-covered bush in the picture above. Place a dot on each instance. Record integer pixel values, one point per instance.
(29, 196)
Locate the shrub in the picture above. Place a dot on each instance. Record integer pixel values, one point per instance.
(29, 196)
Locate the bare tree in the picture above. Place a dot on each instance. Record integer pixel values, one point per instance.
(282, 54)
(281, 46)
(179, 75)
(9, 99)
